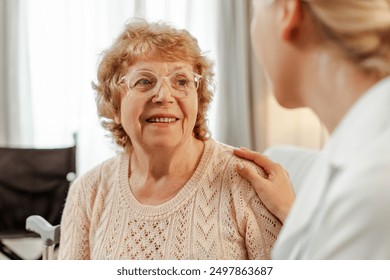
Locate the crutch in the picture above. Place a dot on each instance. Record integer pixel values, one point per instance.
(49, 234)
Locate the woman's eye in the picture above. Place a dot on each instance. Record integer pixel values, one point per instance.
(144, 83)
(181, 82)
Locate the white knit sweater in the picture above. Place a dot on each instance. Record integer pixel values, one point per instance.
(216, 215)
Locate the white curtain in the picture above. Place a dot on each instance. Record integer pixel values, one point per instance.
(15, 109)
(234, 74)
(3, 100)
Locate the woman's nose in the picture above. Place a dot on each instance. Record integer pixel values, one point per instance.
(163, 94)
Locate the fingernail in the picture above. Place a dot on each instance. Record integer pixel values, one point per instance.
(243, 148)
(240, 166)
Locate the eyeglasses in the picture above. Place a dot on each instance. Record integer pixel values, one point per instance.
(144, 83)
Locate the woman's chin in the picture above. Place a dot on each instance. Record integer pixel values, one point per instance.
(162, 143)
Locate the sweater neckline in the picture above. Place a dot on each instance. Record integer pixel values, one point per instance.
(169, 206)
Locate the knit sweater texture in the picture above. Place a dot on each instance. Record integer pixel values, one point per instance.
(216, 215)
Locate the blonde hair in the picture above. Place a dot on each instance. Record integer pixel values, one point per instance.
(158, 41)
(359, 28)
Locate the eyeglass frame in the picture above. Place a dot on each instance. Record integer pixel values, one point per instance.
(156, 88)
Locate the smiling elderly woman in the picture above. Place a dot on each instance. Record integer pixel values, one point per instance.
(172, 193)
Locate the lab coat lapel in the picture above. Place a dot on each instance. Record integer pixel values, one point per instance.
(299, 219)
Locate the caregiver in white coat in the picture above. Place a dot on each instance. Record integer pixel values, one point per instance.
(332, 56)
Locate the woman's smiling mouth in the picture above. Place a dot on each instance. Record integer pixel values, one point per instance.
(161, 120)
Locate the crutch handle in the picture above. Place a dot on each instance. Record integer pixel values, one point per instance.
(50, 234)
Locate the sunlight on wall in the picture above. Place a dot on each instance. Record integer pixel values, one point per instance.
(299, 127)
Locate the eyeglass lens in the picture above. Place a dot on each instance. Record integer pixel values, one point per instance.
(145, 83)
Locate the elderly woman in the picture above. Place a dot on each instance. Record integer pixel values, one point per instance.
(172, 193)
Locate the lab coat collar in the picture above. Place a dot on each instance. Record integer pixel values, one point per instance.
(364, 119)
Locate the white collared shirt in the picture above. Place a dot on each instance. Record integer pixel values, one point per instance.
(342, 210)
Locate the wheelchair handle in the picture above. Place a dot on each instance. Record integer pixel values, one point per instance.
(50, 234)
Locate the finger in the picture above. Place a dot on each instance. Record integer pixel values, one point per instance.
(261, 160)
(249, 172)
(245, 153)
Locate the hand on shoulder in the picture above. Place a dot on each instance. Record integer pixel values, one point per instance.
(275, 190)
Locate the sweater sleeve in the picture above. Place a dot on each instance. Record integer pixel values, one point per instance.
(256, 224)
(74, 242)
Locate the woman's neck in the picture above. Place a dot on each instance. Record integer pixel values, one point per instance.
(157, 175)
(161, 162)
(333, 86)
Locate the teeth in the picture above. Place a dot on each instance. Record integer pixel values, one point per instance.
(161, 120)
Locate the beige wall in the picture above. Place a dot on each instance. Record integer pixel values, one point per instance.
(299, 127)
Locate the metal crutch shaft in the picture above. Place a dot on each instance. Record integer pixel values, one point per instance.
(49, 234)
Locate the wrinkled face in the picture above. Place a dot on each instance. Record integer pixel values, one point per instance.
(159, 104)
(274, 53)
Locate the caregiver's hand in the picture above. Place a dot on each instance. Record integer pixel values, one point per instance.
(276, 191)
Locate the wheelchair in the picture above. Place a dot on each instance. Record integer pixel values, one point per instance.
(33, 188)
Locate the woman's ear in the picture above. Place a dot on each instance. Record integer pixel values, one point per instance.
(291, 19)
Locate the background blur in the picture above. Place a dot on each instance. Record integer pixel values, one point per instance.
(49, 52)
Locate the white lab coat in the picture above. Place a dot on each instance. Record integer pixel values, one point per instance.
(342, 210)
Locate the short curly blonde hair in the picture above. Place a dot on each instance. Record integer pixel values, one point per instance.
(158, 41)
